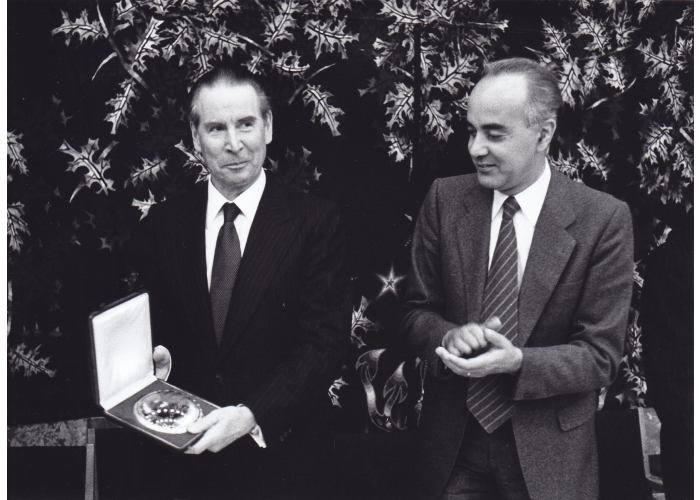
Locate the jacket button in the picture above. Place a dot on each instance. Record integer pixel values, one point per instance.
(219, 377)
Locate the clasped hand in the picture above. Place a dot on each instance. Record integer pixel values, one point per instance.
(221, 427)
(492, 352)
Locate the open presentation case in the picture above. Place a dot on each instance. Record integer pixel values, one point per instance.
(125, 385)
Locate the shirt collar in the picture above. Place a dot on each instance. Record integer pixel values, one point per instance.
(530, 199)
(247, 201)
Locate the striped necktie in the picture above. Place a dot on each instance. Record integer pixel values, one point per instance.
(488, 397)
(227, 259)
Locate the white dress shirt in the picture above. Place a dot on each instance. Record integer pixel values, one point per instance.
(530, 200)
(247, 203)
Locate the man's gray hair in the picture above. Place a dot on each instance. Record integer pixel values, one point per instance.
(232, 76)
(543, 96)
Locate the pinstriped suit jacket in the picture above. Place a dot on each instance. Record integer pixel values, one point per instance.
(573, 308)
(288, 324)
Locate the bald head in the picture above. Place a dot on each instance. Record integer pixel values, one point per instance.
(543, 97)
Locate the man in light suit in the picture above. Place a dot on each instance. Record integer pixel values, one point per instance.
(518, 298)
(264, 337)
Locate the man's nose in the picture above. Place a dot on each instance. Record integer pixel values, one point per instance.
(233, 140)
(477, 146)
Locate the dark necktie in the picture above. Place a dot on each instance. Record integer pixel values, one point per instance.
(488, 397)
(227, 258)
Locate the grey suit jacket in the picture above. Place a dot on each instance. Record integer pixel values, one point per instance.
(573, 309)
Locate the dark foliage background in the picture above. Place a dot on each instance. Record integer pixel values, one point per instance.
(369, 100)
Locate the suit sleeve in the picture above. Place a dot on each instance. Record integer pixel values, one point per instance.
(423, 321)
(590, 359)
(322, 326)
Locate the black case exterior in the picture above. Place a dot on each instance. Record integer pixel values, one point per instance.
(123, 412)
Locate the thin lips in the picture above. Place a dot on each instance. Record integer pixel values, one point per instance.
(236, 164)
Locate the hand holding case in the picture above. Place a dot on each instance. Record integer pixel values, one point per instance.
(124, 370)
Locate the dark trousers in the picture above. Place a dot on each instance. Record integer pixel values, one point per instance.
(487, 467)
(134, 468)
(677, 455)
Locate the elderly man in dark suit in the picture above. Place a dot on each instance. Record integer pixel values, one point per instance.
(249, 290)
(520, 285)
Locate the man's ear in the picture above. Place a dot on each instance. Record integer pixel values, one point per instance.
(268, 127)
(195, 138)
(547, 129)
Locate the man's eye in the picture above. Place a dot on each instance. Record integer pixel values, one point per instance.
(216, 128)
(494, 136)
(246, 125)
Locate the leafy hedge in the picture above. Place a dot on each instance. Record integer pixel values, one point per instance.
(369, 100)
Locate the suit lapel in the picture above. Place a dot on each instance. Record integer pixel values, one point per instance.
(193, 267)
(473, 247)
(269, 239)
(549, 253)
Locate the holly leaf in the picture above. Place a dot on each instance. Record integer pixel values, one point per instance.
(399, 106)
(613, 73)
(569, 77)
(593, 160)
(147, 171)
(587, 26)
(682, 161)
(280, 21)
(82, 27)
(17, 227)
(556, 42)
(659, 63)
(674, 95)
(361, 322)
(438, 10)
(256, 58)
(144, 205)
(194, 161)
(124, 14)
(224, 7)
(290, 63)
(199, 62)
(15, 153)
(647, 8)
(403, 17)
(221, 41)
(121, 105)
(611, 5)
(624, 30)
(329, 36)
(384, 51)
(28, 361)
(180, 40)
(438, 124)
(147, 47)
(453, 75)
(94, 165)
(657, 139)
(566, 165)
(323, 111)
(591, 72)
(684, 53)
(399, 147)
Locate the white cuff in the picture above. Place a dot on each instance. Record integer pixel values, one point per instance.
(257, 436)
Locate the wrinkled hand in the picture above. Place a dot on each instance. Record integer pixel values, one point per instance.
(500, 357)
(221, 427)
(468, 339)
(162, 362)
